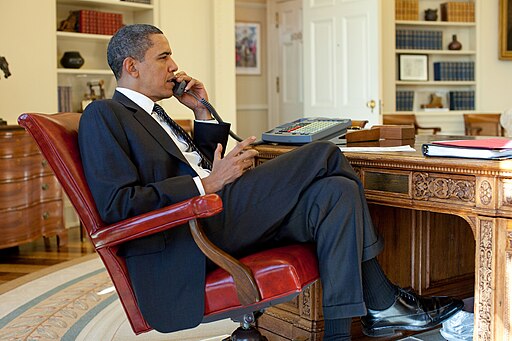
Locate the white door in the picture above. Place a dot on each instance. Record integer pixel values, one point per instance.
(286, 88)
(342, 59)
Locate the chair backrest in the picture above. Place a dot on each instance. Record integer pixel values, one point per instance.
(401, 119)
(483, 124)
(57, 138)
(409, 120)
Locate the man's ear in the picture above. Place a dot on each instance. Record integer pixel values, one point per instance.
(130, 67)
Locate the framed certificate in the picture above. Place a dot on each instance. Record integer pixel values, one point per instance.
(413, 67)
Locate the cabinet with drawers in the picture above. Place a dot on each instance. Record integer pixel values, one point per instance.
(30, 196)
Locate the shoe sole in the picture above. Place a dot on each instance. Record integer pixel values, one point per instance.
(392, 330)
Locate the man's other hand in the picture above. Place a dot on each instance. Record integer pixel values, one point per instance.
(231, 167)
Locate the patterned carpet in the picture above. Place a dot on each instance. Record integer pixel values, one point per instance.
(76, 301)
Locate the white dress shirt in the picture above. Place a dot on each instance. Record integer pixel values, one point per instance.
(192, 157)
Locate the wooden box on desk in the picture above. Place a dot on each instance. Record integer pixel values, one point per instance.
(363, 135)
(395, 132)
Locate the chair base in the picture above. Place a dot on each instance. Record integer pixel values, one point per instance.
(246, 334)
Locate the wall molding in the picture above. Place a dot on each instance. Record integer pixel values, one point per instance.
(252, 107)
(250, 5)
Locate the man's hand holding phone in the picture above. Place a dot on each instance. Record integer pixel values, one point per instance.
(191, 100)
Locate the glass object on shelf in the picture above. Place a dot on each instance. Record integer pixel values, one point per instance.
(93, 95)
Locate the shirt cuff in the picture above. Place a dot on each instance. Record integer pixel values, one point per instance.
(210, 121)
(199, 185)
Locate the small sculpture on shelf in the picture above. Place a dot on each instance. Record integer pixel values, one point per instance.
(4, 66)
(435, 102)
(70, 24)
(431, 14)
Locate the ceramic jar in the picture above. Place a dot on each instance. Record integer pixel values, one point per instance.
(72, 60)
(455, 44)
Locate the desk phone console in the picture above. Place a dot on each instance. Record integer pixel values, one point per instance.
(307, 130)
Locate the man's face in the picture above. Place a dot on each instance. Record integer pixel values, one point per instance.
(157, 70)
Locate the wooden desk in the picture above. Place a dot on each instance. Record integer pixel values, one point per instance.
(440, 218)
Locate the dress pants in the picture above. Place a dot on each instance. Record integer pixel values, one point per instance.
(310, 194)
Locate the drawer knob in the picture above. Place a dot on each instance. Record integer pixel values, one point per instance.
(44, 187)
(46, 215)
(44, 163)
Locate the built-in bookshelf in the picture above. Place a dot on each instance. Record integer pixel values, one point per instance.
(427, 71)
(94, 22)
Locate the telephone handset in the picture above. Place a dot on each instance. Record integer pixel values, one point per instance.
(179, 90)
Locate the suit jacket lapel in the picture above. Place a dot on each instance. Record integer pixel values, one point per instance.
(151, 126)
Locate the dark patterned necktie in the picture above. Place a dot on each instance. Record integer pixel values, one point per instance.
(182, 134)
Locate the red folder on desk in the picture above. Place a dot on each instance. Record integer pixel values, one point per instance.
(490, 148)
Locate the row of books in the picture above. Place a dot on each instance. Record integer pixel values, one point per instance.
(454, 71)
(404, 100)
(406, 10)
(462, 100)
(419, 39)
(458, 11)
(64, 98)
(458, 100)
(96, 22)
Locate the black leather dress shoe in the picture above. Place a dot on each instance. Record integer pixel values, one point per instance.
(410, 312)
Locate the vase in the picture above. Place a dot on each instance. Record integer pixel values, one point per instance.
(72, 60)
(455, 44)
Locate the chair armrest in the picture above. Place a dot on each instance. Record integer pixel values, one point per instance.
(175, 215)
(157, 221)
(435, 130)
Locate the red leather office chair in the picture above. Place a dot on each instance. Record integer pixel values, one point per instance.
(236, 289)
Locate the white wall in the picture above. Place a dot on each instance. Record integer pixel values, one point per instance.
(201, 35)
(495, 74)
(28, 42)
(251, 90)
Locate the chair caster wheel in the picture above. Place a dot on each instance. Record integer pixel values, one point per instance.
(250, 334)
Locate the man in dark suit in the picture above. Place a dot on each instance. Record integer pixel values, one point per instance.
(135, 161)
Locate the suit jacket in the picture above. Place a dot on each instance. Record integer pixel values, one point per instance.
(132, 166)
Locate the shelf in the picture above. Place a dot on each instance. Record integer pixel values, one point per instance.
(434, 23)
(108, 4)
(85, 36)
(84, 72)
(438, 52)
(436, 83)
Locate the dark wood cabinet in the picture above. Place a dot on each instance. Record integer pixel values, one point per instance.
(31, 203)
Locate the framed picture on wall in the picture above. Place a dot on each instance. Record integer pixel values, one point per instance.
(413, 67)
(248, 48)
(505, 29)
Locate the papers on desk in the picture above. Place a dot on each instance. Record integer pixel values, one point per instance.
(489, 149)
(406, 148)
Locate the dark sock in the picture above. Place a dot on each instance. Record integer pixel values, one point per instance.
(337, 330)
(379, 293)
